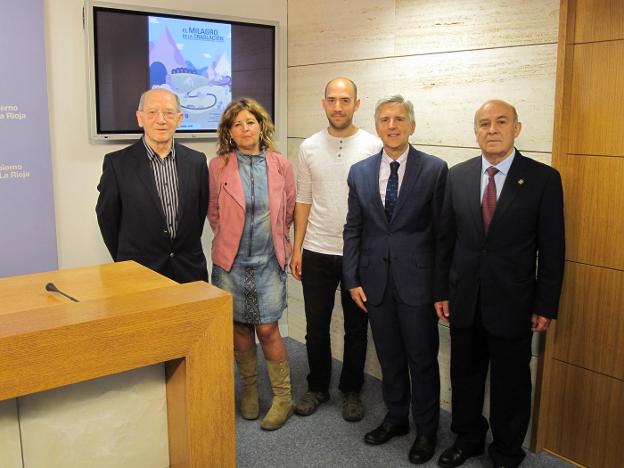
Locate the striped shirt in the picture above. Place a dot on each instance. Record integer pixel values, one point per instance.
(166, 178)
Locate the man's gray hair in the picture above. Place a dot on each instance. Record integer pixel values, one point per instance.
(396, 99)
(142, 98)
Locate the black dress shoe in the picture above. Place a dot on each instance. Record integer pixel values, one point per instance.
(385, 432)
(455, 456)
(422, 449)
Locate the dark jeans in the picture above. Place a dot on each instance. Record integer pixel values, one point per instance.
(321, 275)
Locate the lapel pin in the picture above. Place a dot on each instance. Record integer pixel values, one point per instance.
(520, 181)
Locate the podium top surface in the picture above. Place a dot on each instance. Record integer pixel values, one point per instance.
(27, 292)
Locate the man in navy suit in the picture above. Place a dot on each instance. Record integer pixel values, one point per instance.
(395, 200)
(502, 218)
(154, 195)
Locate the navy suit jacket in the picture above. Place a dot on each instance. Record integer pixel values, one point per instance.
(406, 244)
(132, 220)
(517, 269)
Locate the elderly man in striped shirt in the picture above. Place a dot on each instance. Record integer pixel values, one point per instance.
(154, 195)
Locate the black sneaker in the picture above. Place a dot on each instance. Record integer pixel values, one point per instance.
(310, 402)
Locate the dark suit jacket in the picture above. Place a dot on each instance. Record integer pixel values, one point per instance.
(498, 273)
(133, 223)
(406, 244)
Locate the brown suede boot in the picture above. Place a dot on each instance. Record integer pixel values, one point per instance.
(248, 378)
(282, 407)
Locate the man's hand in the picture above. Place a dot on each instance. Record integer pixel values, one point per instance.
(358, 296)
(295, 265)
(442, 309)
(539, 323)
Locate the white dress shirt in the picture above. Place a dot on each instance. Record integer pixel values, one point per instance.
(384, 172)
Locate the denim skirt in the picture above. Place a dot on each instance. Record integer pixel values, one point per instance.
(258, 287)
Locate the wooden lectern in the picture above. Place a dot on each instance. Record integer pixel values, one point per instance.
(128, 317)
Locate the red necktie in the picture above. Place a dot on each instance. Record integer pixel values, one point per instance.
(488, 204)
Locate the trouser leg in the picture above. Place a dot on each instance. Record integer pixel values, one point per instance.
(419, 327)
(469, 367)
(510, 398)
(390, 348)
(355, 341)
(319, 288)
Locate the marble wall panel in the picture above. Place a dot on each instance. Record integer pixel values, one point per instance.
(10, 446)
(455, 155)
(119, 421)
(306, 86)
(446, 90)
(451, 154)
(448, 57)
(450, 25)
(337, 30)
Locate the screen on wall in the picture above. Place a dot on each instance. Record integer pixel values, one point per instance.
(207, 62)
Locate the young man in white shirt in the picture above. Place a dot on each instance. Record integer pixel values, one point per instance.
(324, 161)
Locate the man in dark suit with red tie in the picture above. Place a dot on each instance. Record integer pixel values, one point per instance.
(500, 279)
(395, 199)
(154, 195)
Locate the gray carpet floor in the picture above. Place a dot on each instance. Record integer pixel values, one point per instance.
(324, 439)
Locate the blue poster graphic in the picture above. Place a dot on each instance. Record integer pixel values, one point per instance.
(192, 59)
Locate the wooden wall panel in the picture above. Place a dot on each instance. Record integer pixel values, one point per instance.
(585, 418)
(599, 20)
(590, 329)
(594, 203)
(452, 25)
(582, 404)
(446, 90)
(597, 99)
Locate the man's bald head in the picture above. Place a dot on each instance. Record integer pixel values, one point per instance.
(344, 83)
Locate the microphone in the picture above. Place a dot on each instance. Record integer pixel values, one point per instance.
(50, 287)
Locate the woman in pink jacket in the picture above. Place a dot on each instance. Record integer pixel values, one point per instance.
(252, 199)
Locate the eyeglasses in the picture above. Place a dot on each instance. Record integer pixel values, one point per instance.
(167, 114)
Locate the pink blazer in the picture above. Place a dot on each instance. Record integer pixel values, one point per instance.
(226, 208)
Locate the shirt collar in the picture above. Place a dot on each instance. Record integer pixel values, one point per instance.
(401, 159)
(151, 154)
(503, 166)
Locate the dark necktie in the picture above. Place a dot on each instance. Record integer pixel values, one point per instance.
(392, 189)
(488, 204)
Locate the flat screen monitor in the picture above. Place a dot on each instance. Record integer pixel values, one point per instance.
(206, 61)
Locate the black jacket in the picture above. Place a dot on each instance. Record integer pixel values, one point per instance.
(132, 221)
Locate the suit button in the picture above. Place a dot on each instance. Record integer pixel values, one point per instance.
(165, 232)
(385, 259)
(484, 251)
(171, 255)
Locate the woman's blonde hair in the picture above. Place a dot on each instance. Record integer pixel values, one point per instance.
(225, 144)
